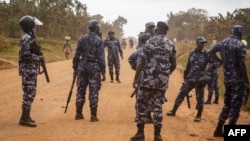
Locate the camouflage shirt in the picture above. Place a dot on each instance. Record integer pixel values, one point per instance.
(113, 47)
(28, 60)
(232, 52)
(157, 53)
(197, 63)
(89, 50)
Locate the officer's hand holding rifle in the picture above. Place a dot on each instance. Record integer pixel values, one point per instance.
(37, 50)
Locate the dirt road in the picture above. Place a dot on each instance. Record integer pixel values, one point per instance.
(116, 110)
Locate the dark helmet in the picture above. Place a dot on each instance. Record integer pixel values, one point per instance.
(93, 23)
(28, 23)
(201, 39)
(237, 29)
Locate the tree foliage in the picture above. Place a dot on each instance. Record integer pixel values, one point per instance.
(194, 22)
(60, 18)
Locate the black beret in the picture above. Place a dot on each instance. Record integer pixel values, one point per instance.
(163, 25)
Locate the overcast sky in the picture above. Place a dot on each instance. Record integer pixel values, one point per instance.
(138, 12)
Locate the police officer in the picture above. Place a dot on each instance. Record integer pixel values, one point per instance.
(152, 75)
(149, 28)
(133, 63)
(233, 55)
(114, 49)
(28, 67)
(89, 64)
(195, 76)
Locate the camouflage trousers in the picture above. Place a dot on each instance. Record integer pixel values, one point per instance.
(149, 100)
(114, 62)
(186, 87)
(29, 83)
(233, 97)
(213, 86)
(91, 78)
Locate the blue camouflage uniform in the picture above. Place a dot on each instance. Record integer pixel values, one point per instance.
(213, 85)
(197, 63)
(89, 61)
(28, 69)
(196, 75)
(154, 77)
(232, 52)
(114, 48)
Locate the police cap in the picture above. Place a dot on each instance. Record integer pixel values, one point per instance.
(93, 23)
(150, 24)
(237, 29)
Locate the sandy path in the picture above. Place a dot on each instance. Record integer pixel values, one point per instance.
(115, 111)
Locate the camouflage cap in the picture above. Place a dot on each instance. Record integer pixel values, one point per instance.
(150, 24)
(163, 25)
(237, 29)
(201, 39)
(93, 23)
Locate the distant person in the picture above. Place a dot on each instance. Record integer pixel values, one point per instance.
(131, 43)
(89, 65)
(152, 78)
(196, 75)
(29, 63)
(67, 47)
(236, 81)
(124, 43)
(114, 49)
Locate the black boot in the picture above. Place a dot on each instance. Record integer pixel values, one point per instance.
(157, 134)
(216, 100)
(93, 111)
(139, 136)
(117, 79)
(209, 99)
(79, 114)
(25, 119)
(218, 131)
(198, 116)
(173, 111)
(148, 118)
(111, 78)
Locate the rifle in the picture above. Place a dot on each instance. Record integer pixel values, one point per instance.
(188, 101)
(134, 92)
(70, 92)
(37, 50)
